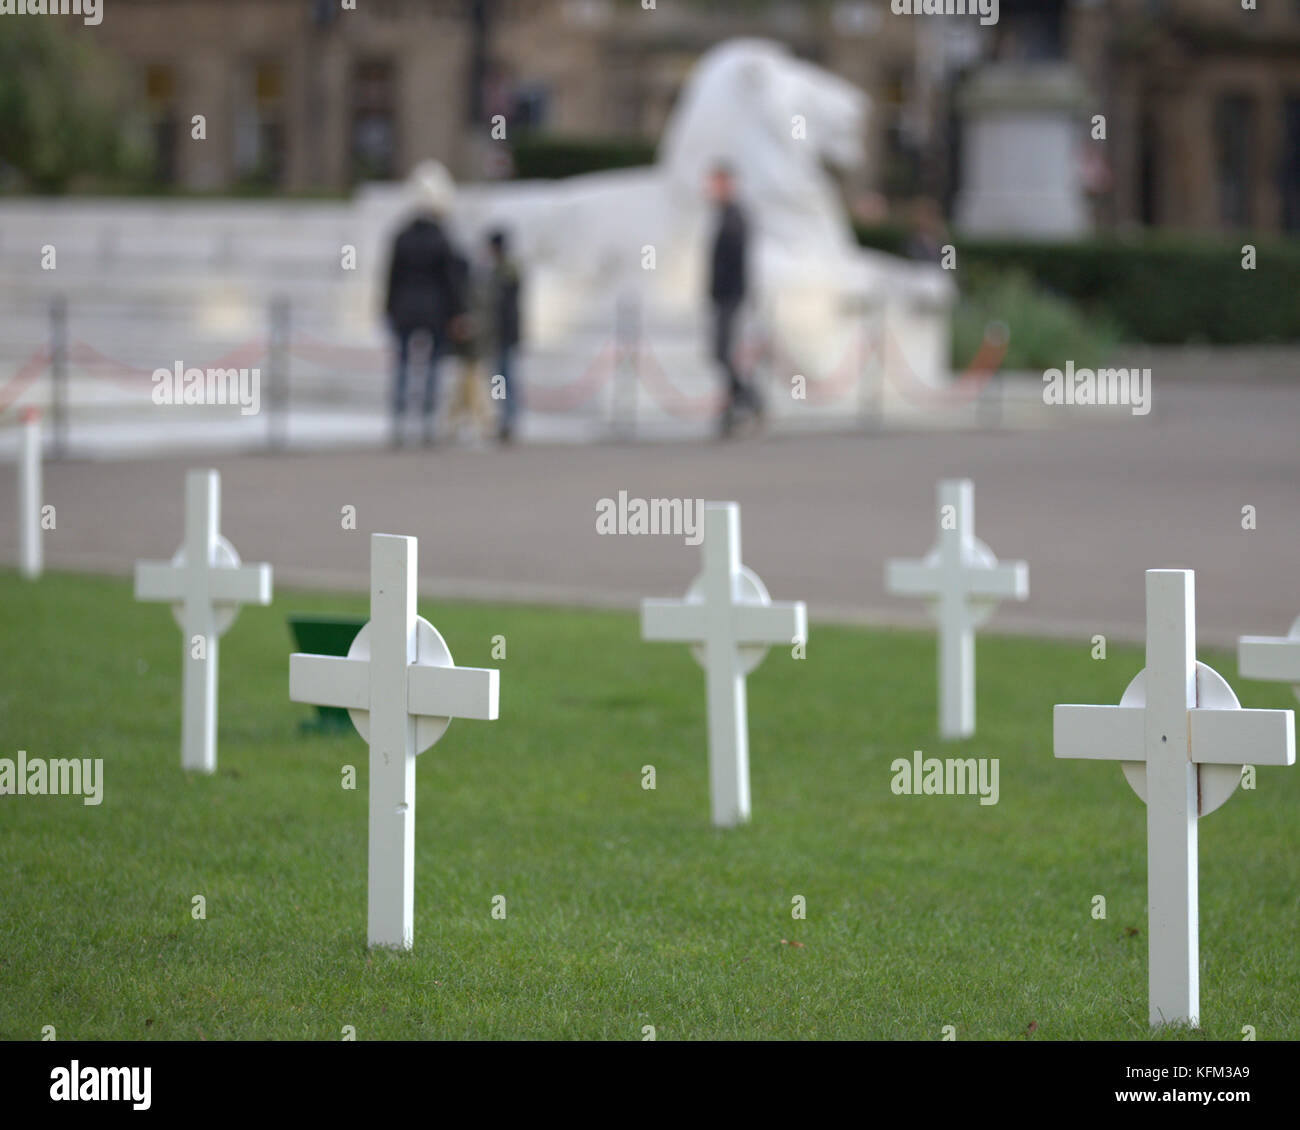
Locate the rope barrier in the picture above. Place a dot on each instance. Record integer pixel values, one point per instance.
(761, 351)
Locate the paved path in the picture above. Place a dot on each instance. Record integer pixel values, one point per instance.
(1089, 506)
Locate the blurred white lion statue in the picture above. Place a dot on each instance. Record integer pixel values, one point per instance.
(642, 235)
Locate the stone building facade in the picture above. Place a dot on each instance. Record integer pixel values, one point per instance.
(306, 95)
(1205, 95)
(1202, 97)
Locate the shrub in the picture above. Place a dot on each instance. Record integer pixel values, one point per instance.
(547, 156)
(1162, 288)
(1044, 330)
(61, 109)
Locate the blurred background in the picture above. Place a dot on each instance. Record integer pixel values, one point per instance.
(217, 183)
(1097, 165)
(1201, 98)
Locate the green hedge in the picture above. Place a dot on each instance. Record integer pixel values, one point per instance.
(548, 156)
(1162, 289)
(64, 102)
(883, 237)
(1041, 327)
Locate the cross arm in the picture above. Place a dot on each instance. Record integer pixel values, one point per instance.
(453, 692)
(672, 621)
(157, 580)
(911, 578)
(249, 584)
(1101, 733)
(1269, 657)
(1008, 579)
(780, 622)
(329, 680)
(1242, 737)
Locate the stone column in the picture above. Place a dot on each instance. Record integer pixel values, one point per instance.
(1023, 128)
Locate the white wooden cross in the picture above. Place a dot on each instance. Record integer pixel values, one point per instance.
(205, 583)
(31, 560)
(1276, 658)
(965, 581)
(1182, 737)
(729, 616)
(401, 688)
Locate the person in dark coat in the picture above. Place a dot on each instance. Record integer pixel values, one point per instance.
(501, 319)
(426, 293)
(728, 283)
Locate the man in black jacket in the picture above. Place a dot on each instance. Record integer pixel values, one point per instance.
(502, 328)
(727, 285)
(426, 293)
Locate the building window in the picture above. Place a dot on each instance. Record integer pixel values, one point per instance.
(1030, 31)
(1149, 169)
(531, 105)
(900, 166)
(160, 97)
(259, 135)
(374, 121)
(1289, 166)
(1234, 121)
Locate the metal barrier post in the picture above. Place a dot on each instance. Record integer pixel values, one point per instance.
(59, 374)
(627, 339)
(871, 386)
(278, 376)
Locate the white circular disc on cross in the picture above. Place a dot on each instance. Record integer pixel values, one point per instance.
(747, 588)
(431, 651)
(1216, 783)
(978, 607)
(223, 556)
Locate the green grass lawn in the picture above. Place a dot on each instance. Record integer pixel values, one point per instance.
(624, 907)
